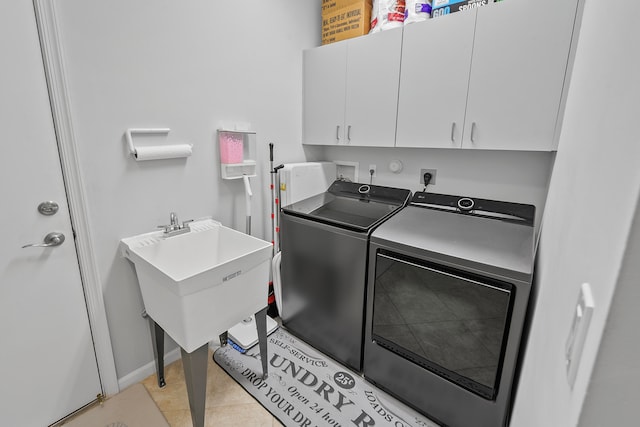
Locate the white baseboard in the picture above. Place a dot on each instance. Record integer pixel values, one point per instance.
(146, 370)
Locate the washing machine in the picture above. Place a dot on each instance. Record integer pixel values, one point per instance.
(324, 243)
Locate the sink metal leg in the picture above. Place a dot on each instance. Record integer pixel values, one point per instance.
(157, 338)
(261, 325)
(195, 375)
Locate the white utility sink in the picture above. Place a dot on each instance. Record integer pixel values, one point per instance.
(198, 284)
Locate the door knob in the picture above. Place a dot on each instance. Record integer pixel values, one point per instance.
(50, 240)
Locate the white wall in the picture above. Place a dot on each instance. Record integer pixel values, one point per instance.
(188, 65)
(592, 200)
(613, 394)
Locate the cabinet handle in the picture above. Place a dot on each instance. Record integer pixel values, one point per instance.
(338, 133)
(473, 132)
(349, 133)
(453, 131)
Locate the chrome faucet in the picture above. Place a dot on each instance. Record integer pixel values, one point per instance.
(175, 228)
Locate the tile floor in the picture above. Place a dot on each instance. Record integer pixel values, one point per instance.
(227, 405)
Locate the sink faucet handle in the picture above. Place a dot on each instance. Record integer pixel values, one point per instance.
(186, 223)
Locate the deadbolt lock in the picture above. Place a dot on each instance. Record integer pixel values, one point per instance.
(48, 208)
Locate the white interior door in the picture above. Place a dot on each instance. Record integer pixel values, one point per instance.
(48, 367)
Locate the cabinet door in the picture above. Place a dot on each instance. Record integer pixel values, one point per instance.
(517, 75)
(436, 60)
(324, 74)
(373, 71)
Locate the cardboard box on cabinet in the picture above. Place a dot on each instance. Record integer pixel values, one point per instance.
(330, 6)
(344, 19)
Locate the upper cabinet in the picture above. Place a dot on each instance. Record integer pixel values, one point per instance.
(350, 91)
(436, 58)
(490, 78)
(517, 75)
(324, 80)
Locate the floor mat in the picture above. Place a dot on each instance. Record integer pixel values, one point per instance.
(132, 407)
(306, 388)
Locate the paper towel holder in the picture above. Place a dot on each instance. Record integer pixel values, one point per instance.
(183, 150)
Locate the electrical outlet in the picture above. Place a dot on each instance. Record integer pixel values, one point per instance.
(433, 176)
(372, 167)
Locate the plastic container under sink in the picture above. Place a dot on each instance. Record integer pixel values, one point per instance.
(244, 335)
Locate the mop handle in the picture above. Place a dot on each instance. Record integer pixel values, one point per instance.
(247, 199)
(278, 206)
(273, 237)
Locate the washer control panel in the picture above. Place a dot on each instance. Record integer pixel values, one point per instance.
(396, 196)
(478, 207)
(465, 204)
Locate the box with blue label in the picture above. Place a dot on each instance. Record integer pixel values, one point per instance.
(445, 7)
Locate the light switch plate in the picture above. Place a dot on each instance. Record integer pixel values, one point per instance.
(577, 335)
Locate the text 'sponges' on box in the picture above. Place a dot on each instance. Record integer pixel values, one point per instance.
(352, 19)
(445, 7)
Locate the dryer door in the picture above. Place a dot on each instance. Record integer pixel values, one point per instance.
(443, 320)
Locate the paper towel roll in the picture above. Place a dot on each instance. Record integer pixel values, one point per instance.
(157, 152)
